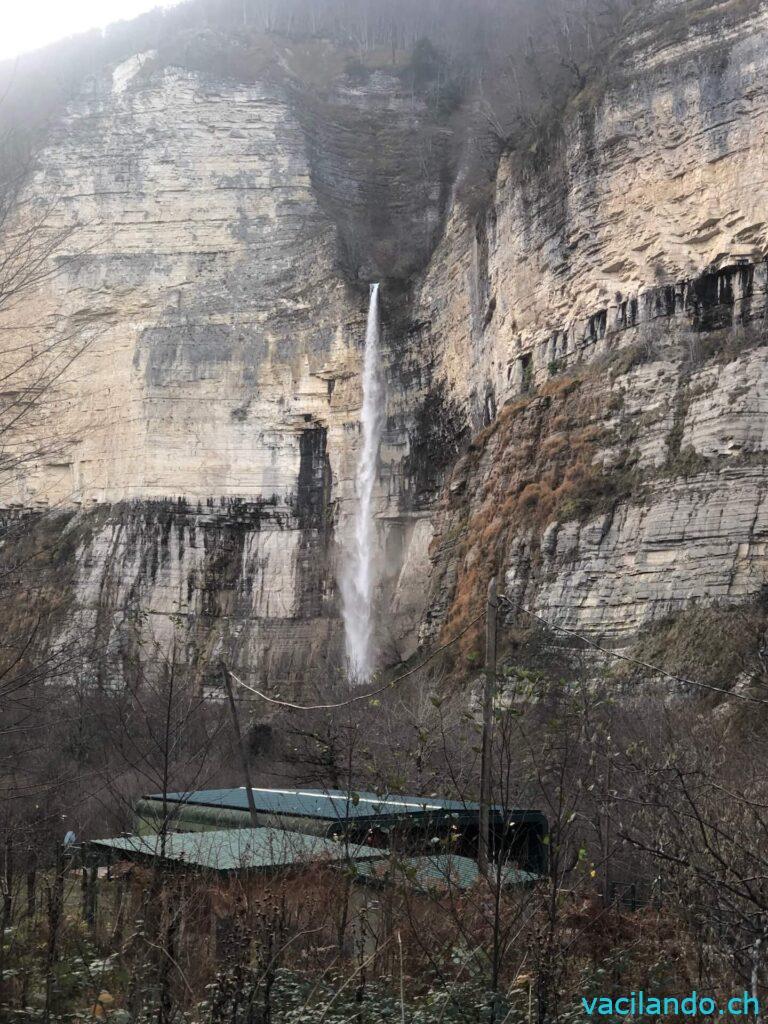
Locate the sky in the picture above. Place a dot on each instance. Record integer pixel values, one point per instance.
(29, 24)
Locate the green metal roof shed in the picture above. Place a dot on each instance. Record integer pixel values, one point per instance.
(330, 805)
(360, 816)
(257, 849)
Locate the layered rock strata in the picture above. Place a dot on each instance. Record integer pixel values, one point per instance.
(575, 375)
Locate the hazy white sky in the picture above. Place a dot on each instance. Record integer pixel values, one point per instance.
(28, 24)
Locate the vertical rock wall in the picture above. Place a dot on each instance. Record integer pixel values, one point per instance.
(574, 374)
(611, 304)
(211, 421)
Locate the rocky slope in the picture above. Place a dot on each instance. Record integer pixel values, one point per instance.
(575, 374)
(614, 298)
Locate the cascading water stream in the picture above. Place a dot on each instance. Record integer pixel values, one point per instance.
(358, 580)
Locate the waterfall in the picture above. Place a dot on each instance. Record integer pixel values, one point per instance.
(358, 579)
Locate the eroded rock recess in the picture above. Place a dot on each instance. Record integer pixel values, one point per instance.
(576, 371)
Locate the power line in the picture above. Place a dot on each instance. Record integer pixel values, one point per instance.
(633, 661)
(656, 669)
(360, 696)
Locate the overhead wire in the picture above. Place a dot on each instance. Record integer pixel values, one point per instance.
(371, 694)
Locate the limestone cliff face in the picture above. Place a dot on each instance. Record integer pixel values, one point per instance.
(575, 376)
(614, 296)
(212, 420)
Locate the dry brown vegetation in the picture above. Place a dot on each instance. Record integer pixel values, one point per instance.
(535, 464)
(633, 896)
(260, 942)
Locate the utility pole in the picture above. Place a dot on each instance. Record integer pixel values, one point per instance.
(240, 746)
(491, 607)
(607, 833)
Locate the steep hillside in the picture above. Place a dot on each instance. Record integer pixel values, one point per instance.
(612, 311)
(575, 353)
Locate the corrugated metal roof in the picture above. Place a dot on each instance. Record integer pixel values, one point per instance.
(197, 818)
(439, 871)
(331, 805)
(239, 849)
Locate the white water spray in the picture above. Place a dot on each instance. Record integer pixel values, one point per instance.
(358, 581)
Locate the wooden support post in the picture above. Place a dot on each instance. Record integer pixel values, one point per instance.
(119, 897)
(6, 917)
(55, 912)
(483, 858)
(240, 747)
(93, 887)
(31, 883)
(84, 890)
